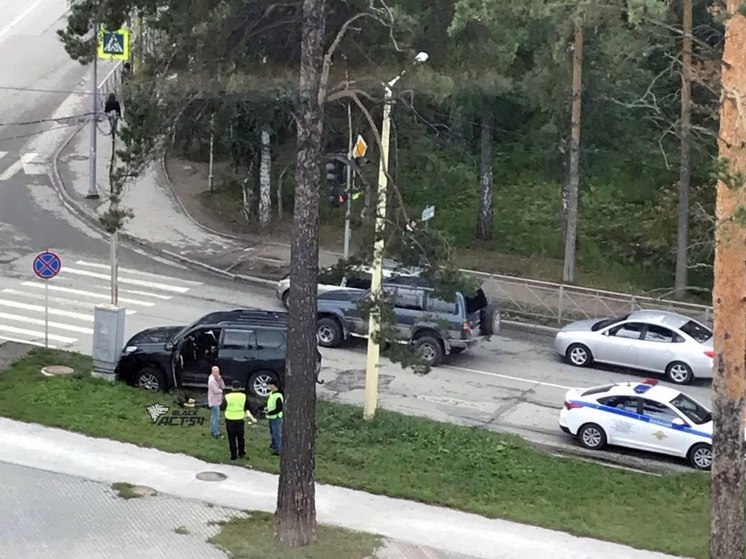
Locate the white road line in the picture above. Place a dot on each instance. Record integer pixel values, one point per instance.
(135, 292)
(71, 291)
(35, 334)
(135, 272)
(18, 19)
(21, 341)
(141, 283)
(507, 377)
(31, 166)
(61, 300)
(40, 322)
(11, 171)
(40, 308)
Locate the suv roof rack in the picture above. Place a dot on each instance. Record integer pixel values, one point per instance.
(276, 319)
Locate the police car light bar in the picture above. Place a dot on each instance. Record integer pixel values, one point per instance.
(650, 381)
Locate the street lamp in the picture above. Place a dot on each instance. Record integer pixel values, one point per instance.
(374, 327)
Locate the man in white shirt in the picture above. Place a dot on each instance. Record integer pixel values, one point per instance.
(215, 387)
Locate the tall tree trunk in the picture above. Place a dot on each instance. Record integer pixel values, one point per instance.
(265, 183)
(682, 234)
(727, 519)
(295, 520)
(485, 217)
(571, 228)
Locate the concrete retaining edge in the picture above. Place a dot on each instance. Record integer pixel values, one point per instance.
(85, 215)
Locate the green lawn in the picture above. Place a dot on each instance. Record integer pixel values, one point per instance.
(464, 468)
(253, 538)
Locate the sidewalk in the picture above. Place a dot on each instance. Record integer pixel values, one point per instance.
(410, 523)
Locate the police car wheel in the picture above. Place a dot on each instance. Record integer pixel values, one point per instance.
(579, 355)
(592, 436)
(679, 373)
(700, 456)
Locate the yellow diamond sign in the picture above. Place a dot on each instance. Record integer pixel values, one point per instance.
(360, 147)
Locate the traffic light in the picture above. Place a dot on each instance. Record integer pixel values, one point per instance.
(337, 195)
(335, 176)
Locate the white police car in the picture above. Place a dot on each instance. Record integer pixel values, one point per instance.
(640, 415)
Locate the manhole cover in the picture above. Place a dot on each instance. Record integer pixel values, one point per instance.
(56, 370)
(211, 476)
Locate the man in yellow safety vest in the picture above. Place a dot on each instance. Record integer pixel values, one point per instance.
(273, 412)
(236, 408)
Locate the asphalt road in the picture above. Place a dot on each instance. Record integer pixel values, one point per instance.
(513, 382)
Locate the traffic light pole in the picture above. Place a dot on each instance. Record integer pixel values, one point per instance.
(92, 186)
(348, 210)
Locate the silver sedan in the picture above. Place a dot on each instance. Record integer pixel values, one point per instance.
(650, 340)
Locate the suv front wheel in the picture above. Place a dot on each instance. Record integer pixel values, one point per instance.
(150, 378)
(258, 383)
(430, 349)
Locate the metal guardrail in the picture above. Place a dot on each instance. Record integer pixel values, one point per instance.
(555, 304)
(110, 84)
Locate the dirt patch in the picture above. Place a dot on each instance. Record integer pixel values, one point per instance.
(354, 379)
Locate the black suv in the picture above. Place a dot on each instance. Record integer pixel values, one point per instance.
(249, 346)
(435, 327)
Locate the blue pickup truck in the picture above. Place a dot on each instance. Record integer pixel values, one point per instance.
(436, 327)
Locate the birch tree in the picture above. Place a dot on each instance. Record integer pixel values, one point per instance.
(265, 183)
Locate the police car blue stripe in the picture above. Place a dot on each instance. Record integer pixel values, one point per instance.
(639, 417)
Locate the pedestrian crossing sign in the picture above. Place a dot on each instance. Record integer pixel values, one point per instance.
(114, 45)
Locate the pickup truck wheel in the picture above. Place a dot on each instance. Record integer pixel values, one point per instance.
(489, 320)
(430, 349)
(286, 299)
(150, 378)
(329, 332)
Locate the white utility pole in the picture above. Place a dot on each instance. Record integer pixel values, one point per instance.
(374, 326)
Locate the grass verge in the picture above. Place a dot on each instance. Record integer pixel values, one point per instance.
(471, 469)
(253, 538)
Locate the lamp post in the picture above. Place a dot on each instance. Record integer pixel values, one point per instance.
(374, 326)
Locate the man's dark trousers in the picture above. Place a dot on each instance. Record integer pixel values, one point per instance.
(235, 430)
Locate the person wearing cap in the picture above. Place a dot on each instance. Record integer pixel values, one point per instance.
(273, 412)
(236, 408)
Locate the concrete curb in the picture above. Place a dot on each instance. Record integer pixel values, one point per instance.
(85, 215)
(538, 329)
